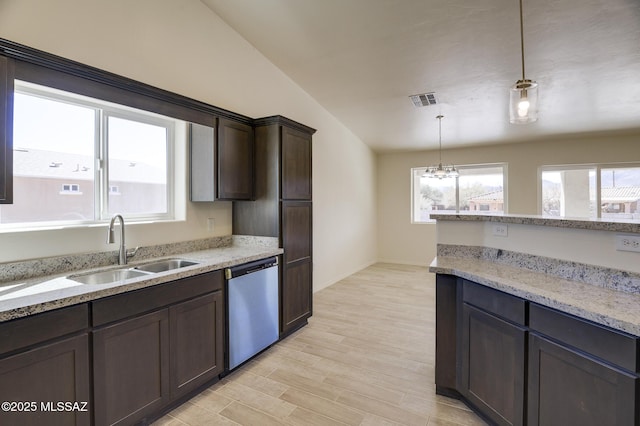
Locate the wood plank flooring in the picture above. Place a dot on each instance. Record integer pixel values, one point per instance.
(366, 358)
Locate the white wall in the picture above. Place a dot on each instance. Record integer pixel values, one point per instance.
(403, 242)
(183, 47)
(569, 244)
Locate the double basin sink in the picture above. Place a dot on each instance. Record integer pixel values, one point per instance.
(116, 275)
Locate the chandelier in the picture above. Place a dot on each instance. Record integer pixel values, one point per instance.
(440, 171)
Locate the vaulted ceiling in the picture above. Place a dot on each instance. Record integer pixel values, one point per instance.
(362, 59)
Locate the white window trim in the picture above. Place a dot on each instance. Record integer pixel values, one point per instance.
(598, 168)
(104, 109)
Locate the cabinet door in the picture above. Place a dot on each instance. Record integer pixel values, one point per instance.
(296, 295)
(567, 387)
(6, 130)
(492, 367)
(296, 165)
(44, 376)
(235, 150)
(203, 162)
(296, 230)
(197, 342)
(131, 369)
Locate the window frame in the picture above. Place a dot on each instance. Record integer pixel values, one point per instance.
(103, 110)
(416, 191)
(598, 180)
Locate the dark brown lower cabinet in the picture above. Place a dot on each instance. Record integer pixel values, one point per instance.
(296, 291)
(196, 330)
(567, 387)
(131, 369)
(493, 366)
(34, 382)
(295, 295)
(517, 362)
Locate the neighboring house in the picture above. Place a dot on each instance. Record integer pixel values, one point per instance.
(489, 202)
(51, 185)
(625, 199)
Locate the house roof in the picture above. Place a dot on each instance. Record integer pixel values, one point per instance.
(63, 165)
(621, 194)
(489, 196)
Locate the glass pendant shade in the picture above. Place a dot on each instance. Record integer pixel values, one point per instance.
(523, 102)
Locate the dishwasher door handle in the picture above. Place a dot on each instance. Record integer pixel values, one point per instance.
(250, 268)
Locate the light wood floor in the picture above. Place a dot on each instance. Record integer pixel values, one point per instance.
(366, 358)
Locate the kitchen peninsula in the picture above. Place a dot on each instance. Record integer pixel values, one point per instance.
(537, 318)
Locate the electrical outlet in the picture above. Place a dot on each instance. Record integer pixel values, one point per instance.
(499, 230)
(628, 242)
(210, 224)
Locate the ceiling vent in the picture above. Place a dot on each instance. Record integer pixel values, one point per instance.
(423, 99)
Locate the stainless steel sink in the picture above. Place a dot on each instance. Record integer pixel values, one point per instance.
(116, 275)
(165, 265)
(107, 277)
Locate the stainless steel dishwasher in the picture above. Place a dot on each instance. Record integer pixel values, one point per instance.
(252, 290)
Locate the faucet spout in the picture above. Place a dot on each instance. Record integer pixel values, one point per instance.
(122, 254)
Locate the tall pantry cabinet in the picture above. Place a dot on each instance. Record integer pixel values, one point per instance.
(283, 209)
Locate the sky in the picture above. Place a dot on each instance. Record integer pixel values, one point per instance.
(44, 124)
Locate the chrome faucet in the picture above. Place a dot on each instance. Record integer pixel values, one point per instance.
(122, 255)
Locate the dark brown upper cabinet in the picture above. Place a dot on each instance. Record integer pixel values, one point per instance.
(6, 130)
(235, 160)
(296, 164)
(222, 161)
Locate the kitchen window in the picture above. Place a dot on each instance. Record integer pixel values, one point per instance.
(591, 191)
(122, 158)
(479, 188)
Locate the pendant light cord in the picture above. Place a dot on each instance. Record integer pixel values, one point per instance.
(522, 39)
(439, 117)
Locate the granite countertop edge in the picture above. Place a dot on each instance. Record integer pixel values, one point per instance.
(605, 306)
(606, 224)
(59, 291)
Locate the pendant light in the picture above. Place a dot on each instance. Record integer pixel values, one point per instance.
(440, 171)
(523, 96)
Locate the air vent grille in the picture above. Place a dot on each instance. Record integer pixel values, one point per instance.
(424, 99)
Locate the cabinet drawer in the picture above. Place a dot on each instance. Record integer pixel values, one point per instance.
(610, 345)
(496, 302)
(23, 332)
(147, 299)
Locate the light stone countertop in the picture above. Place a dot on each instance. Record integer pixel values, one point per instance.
(603, 305)
(34, 295)
(605, 224)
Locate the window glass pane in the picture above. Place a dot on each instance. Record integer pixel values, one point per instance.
(481, 189)
(569, 192)
(620, 193)
(137, 167)
(53, 162)
(436, 196)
